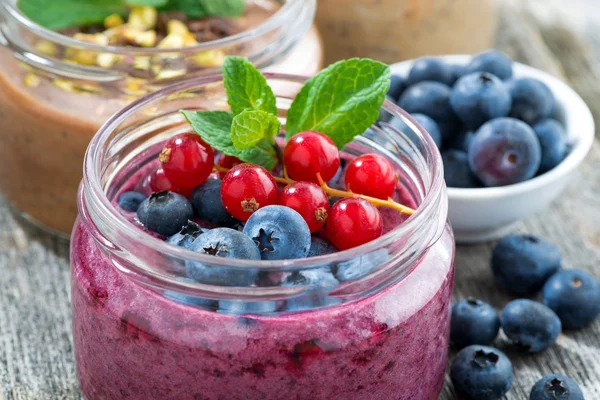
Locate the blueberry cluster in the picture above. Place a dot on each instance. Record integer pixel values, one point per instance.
(570, 299)
(494, 129)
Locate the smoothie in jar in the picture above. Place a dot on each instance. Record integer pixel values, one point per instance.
(192, 321)
(58, 88)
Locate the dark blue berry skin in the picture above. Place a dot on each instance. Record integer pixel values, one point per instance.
(226, 243)
(426, 122)
(476, 98)
(532, 100)
(556, 387)
(190, 300)
(320, 282)
(208, 206)
(481, 373)
(320, 247)
(461, 141)
(523, 263)
(473, 322)
(430, 69)
(360, 266)
(457, 172)
(530, 325)
(494, 62)
(458, 70)
(504, 151)
(165, 213)
(279, 232)
(186, 236)
(130, 201)
(397, 86)
(433, 100)
(574, 295)
(553, 140)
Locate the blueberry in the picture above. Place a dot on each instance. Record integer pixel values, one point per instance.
(190, 300)
(384, 115)
(430, 69)
(130, 201)
(476, 98)
(208, 206)
(553, 140)
(530, 325)
(532, 100)
(165, 212)
(433, 100)
(556, 387)
(397, 86)
(461, 141)
(504, 151)
(240, 307)
(458, 70)
(473, 322)
(481, 373)
(494, 62)
(279, 232)
(457, 172)
(226, 243)
(320, 282)
(186, 236)
(574, 295)
(319, 247)
(523, 263)
(426, 122)
(360, 266)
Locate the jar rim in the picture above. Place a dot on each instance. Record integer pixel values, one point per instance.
(425, 213)
(288, 11)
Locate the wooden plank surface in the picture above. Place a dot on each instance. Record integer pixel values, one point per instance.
(36, 354)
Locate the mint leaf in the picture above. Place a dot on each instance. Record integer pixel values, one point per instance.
(246, 87)
(251, 126)
(214, 127)
(224, 8)
(342, 101)
(147, 3)
(60, 14)
(191, 8)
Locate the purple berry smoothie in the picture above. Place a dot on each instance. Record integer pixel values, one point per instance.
(134, 343)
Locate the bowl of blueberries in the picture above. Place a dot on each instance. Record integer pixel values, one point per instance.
(510, 135)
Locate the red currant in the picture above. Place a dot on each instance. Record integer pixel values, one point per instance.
(352, 222)
(309, 153)
(246, 188)
(187, 160)
(159, 181)
(225, 161)
(309, 200)
(371, 175)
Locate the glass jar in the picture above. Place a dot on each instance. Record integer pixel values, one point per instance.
(55, 92)
(143, 330)
(396, 30)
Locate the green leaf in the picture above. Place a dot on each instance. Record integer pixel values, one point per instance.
(60, 14)
(224, 8)
(192, 8)
(215, 127)
(251, 126)
(246, 87)
(342, 101)
(147, 3)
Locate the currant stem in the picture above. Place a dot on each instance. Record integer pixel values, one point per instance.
(389, 203)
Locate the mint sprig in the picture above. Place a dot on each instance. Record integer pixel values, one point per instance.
(342, 101)
(246, 87)
(60, 14)
(251, 126)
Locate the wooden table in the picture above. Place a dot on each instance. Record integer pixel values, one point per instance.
(36, 353)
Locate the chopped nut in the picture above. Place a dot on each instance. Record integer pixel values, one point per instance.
(189, 40)
(141, 62)
(135, 87)
(106, 60)
(171, 41)
(210, 58)
(32, 80)
(177, 27)
(112, 21)
(170, 73)
(146, 39)
(85, 57)
(142, 18)
(46, 47)
(64, 84)
(95, 38)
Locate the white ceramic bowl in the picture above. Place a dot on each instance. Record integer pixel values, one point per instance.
(484, 214)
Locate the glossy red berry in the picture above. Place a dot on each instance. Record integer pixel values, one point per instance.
(309, 200)
(353, 222)
(371, 175)
(187, 160)
(225, 161)
(309, 153)
(159, 181)
(246, 188)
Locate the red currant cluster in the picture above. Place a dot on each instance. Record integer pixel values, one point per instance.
(309, 160)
